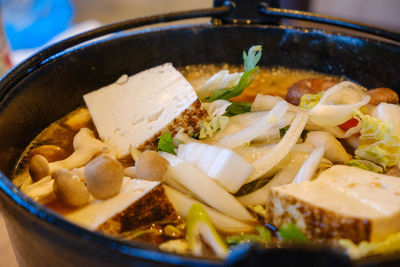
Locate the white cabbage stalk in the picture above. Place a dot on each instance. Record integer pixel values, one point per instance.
(209, 128)
(245, 120)
(336, 131)
(266, 163)
(253, 153)
(226, 224)
(217, 107)
(288, 170)
(221, 164)
(205, 188)
(183, 138)
(338, 103)
(285, 176)
(258, 197)
(246, 135)
(388, 112)
(310, 166)
(220, 80)
(334, 150)
(268, 102)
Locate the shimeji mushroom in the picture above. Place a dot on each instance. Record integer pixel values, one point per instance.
(151, 166)
(69, 189)
(86, 147)
(103, 176)
(39, 167)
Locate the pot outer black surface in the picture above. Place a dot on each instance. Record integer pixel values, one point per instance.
(42, 238)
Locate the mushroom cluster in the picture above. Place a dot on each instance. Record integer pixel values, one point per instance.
(91, 171)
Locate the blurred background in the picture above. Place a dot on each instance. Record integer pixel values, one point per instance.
(32, 24)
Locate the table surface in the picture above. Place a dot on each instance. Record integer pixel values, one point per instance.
(7, 257)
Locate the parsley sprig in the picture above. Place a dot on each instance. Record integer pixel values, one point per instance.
(250, 71)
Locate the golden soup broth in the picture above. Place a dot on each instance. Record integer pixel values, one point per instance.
(55, 142)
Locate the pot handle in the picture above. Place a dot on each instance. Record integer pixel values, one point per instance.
(329, 20)
(268, 12)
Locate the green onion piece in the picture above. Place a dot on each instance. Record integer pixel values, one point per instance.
(264, 237)
(199, 224)
(250, 71)
(237, 108)
(165, 143)
(291, 234)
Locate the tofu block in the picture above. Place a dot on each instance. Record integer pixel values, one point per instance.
(135, 112)
(343, 202)
(139, 203)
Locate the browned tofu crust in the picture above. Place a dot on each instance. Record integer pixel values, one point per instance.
(189, 120)
(152, 207)
(319, 223)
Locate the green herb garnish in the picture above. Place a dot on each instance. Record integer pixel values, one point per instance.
(250, 71)
(237, 108)
(264, 236)
(290, 233)
(165, 143)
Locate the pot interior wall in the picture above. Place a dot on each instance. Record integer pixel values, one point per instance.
(56, 88)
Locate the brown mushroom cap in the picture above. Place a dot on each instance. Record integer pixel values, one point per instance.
(383, 95)
(39, 167)
(103, 176)
(69, 189)
(308, 86)
(151, 166)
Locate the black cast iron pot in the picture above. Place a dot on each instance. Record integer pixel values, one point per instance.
(50, 84)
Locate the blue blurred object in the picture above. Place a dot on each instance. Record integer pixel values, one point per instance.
(32, 23)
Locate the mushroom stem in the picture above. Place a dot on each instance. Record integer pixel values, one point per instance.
(86, 147)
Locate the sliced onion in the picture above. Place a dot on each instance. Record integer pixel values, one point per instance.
(222, 222)
(336, 131)
(285, 176)
(334, 150)
(338, 103)
(267, 102)
(205, 188)
(253, 131)
(310, 165)
(263, 165)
